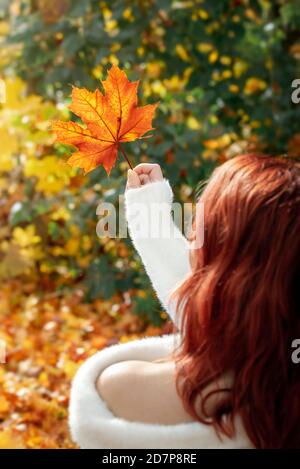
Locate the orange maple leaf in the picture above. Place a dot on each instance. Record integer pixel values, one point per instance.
(110, 118)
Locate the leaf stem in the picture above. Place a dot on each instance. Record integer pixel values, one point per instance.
(125, 156)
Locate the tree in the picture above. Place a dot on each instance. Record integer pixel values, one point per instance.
(223, 72)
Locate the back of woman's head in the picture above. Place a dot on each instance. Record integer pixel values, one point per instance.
(242, 300)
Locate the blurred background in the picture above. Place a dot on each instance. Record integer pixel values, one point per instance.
(223, 74)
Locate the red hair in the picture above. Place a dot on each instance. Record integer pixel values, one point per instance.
(242, 301)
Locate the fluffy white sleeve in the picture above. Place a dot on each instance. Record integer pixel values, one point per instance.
(93, 426)
(161, 245)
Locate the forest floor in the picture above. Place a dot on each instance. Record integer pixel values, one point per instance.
(47, 338)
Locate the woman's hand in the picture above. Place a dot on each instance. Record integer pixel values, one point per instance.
(143, 174)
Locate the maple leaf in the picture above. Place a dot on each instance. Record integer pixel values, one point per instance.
(111, 118)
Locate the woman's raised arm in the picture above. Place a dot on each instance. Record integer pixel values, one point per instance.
(163, 249)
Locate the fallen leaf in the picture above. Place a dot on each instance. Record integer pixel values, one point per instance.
(4, 405)
(9, 441)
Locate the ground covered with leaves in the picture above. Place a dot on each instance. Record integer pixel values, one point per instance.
(48, 337)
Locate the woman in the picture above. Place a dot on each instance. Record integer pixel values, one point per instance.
(235, 302)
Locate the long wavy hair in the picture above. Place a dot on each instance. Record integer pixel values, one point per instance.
(240, 306)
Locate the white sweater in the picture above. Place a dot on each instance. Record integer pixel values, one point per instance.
(166, 261)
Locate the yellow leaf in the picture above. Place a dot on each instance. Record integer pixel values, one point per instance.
(72, 246)
(10, 441)
(175, 83)
(234, 88)
(74, 229)
(4, 404)
(220, 142)
(254, 85)
(25, 237)
(43, 378)
(6, 163)
(52, 174)
(70, 368)
(216, 76)
(4, 28)
(97, 71)
(213, 56)
(55, 251)
(86, 243)
(61, 214)
(225, 60)
(15, 88)
(255, 124)
(226, 74)
(202, 14)
(107, 13)
(111, 27)
(84, 261)
(182, 52)
(127, 14)
(154, 69)
(8, 147)
(140, 51)
(193, 123)
(14, 263)
(239, 67)
(156, 87)
(204, 47)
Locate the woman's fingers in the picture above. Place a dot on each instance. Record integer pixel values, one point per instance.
(143, 174)
(151, 169)
(144, 178)
(133, 179)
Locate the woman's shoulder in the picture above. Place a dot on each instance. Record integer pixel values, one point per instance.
(142, 391)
